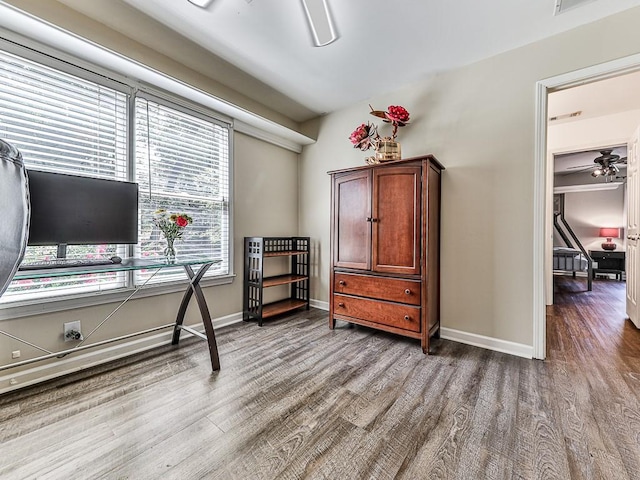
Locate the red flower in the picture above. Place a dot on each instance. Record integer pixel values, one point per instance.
(397, 114)
(181, 221)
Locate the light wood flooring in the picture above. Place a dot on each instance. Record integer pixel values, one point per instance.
(297, 400)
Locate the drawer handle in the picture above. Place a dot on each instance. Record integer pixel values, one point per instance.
(341, 304)
(342, 282)
(406, 317)
(407, 291)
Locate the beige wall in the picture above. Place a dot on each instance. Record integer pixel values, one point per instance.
(265, 197)
(479, 122)
(265, 203)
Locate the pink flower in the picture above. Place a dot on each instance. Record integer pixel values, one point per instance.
(397, 114)
(362, 136)
(181, 221)
(359, 134)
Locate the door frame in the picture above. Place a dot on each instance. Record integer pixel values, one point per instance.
(543, 182)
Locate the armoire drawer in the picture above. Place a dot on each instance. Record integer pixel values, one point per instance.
(400, 316)
(392, 289)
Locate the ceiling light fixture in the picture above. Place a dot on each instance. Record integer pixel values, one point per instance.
(606, 171)
(320, 22)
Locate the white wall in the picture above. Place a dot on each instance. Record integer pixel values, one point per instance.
(479, 122)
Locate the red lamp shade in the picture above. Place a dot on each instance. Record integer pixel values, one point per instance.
(609, 233)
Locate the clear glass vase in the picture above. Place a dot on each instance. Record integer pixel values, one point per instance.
(170, 251)
(388, 150)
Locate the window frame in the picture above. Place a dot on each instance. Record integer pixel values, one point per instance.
(74, 66)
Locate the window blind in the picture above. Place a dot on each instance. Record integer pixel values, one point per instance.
(66, 124)
(182, 165)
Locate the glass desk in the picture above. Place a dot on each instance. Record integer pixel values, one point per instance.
(150, 263)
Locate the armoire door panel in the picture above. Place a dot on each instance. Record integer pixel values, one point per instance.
(396, 220)
(352, 221)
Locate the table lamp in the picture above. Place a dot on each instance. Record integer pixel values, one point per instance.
(609, 233)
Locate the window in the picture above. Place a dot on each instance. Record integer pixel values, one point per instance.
(182, 165)
(68, 120)
(65, 124)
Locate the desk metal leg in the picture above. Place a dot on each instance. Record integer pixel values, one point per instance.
(194, 288)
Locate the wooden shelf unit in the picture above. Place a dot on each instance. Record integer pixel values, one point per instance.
(256, 249)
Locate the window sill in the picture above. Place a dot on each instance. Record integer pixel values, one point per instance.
(69, 302)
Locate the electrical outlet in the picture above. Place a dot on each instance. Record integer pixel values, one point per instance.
(15, 354)
(72, 331)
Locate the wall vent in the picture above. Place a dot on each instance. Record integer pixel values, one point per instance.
(564, 5)
(565, 116)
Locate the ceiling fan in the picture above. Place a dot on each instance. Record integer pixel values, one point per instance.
(606, 165)
(318, 16)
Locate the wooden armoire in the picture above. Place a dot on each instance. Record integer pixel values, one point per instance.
(385, 247)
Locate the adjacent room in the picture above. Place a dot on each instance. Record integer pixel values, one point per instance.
(319, 239)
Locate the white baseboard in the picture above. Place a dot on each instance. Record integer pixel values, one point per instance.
(227, 320)
(319, 304)
(90, 358)
(490, 343)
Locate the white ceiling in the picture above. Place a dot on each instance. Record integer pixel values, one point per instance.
(596, 99)
(383, 44)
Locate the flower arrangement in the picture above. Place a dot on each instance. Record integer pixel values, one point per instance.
(172, 226)
(366, 135)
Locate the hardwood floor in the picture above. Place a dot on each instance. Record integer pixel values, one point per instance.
(297, 400)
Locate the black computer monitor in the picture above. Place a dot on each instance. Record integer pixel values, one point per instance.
(75, 210)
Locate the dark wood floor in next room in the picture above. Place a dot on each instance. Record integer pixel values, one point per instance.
(296, 400)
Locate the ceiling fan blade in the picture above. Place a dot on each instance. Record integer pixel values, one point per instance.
(320, 22)
(201, 3)
(581, 166)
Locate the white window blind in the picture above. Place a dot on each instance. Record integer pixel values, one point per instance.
(182, 165)
(66, 124)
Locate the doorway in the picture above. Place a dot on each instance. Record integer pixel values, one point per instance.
(543, 177)
(589, 195)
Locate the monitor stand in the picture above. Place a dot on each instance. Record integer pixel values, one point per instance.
(62, 250)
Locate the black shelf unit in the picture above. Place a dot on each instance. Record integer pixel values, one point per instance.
(256, 249)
